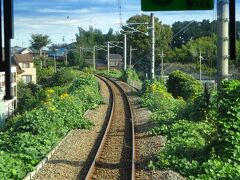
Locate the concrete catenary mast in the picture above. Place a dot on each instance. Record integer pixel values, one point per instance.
(223, 41)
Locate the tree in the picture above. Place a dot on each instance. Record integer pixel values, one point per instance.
(189, 53)
(142, 41)
(88, 39)
(238, 53)
(29, 96)
(39, 41)
(190, 30)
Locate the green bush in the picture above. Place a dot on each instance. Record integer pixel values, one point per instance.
(45, 74)
(184, 85)
(64, 77)
(29, 96)
(30, 136)
(129, 75)
(228, 122)
(113, 73)
(206, 144)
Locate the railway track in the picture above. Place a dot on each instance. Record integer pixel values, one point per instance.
(116, 154)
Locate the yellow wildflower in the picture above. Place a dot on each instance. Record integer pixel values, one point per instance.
(153, 88)
(64, 96)
(52, 108)
(49, 91)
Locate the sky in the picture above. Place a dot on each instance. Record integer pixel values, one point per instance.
(60, 19)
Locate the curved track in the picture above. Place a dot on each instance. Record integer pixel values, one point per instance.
(116, 153)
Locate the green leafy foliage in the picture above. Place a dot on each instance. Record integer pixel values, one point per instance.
(63, 77)
(44, 74)
(129, 75)
(202, 135)
(29, 96)
(192, 33)
(229, 119)
(163, 38)
(33, 134)
(113, 74)
(184, 85)
(39, 41)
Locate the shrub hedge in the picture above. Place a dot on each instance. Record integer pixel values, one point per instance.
(184, 85)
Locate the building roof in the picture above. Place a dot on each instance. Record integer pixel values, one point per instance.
(23, 58)
(25, 51)
(115, 56)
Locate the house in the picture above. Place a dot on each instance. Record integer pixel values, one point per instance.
(7, 107)
(58, 53)
(20, 50)
(36, 53)
(25, 51)
(115, 61)
(16, 49)
(26, 65)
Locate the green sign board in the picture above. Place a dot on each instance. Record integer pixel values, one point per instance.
(176, 5)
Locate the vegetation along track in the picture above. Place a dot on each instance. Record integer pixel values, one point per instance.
(115, 156)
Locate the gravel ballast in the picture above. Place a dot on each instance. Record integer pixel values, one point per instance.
(72, 157)
(147, 146)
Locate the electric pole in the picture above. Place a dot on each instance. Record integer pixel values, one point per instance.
(108, 56)
(94, 58)
(223, 41)
(162, 56)
(54, 60)
(200, 68)
(80, 54)
(66, 56)
(153, 47)
(125, 51)
(130, 61)
(130, 58)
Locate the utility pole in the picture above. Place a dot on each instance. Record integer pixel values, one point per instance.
(108, 56)
(54, 60)
(200, 68)
(223, 41)
(94, 58)
(80, 54)
(130, 58)
(162, 56)
(153, 47)
(130, 61)
(66, 57)
(125, 51)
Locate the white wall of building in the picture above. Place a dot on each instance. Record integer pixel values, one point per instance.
(7, 107)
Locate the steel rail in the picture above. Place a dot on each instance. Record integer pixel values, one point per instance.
(133, 131)
(99, 151)
(91, 170)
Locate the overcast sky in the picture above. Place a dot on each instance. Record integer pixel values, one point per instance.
(61, 18)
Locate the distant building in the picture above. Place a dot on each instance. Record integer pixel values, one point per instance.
(58, 53)
(7, 107)
(20, 50)
(25, 51)
(115, 61)
(27, 70)
(36, 53)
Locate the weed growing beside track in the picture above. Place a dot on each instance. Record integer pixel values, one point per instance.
(34, 133)
(202, 136)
